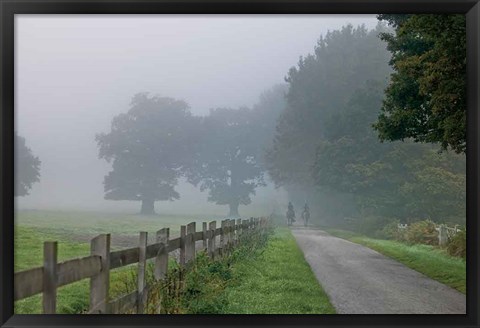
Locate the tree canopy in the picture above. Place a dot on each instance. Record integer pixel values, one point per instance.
(344, 60)
(228, 162)
(27, 167)
(149, 147)
(325, 143)
(426, 100)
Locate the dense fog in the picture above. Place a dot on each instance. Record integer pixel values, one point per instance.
(74, 74)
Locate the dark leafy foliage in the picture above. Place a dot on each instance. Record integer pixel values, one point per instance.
(426, 99)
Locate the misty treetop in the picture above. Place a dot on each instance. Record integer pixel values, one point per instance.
(426, 100)
(228, 162)
(158, 141)
(149, 147)
(322, 83)
(27, 167)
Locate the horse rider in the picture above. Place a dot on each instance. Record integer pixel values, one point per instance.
(290, 212)
(306, 213)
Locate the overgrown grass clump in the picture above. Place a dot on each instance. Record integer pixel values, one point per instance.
(430, 260)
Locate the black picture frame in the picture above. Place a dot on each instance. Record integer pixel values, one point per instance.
(9, 8)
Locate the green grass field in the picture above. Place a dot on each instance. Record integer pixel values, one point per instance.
(73, 231)
(82, 226)
(429, 260)
(278, 281)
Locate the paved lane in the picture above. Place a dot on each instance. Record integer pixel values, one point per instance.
(362, 281)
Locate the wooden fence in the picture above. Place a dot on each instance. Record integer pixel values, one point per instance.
(97, 266)
(444, 232)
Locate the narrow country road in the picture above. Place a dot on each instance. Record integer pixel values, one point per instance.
(359, 280)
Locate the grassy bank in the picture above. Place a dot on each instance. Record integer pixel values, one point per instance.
(72, 298)
(429, 260)
(277, 281)
(273, 279)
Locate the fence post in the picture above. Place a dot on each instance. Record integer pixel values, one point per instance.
(232, 233)
(211, 239)
(244, 228)
(183, 230)
(222, 236)
(190, 242)
(442, 235)
(161, 261)
(49, 298)
(204, 229)
(142, 263)
(238, 231)
(227, 236)
(100, 283)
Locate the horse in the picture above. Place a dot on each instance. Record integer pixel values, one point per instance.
(306, 217)
(290, 217)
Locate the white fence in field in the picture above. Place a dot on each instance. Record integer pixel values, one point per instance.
(444, 232)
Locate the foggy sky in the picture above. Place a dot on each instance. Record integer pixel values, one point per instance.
(74, 73)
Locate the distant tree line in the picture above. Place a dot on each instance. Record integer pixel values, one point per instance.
(344, 100)
(372, 124)
(158, 141)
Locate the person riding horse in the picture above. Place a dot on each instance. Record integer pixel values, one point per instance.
(306, 214)
(290, 214)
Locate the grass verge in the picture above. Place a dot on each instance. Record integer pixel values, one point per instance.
(276, 281)
(429, 260)
(274, 278)
(71, 299)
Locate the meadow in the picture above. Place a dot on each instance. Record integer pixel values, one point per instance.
(276, 280)
(73, 230)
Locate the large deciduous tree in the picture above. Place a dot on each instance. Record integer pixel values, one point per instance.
(27, 167)
(426, 100)
(228, 162)
(149, 147)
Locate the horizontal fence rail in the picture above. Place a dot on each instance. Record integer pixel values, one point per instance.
(97, 266)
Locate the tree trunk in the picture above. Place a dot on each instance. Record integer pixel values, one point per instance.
(233, 210)
(148, 207)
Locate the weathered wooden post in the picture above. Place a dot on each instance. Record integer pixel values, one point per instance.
(227, 236)
(161, 261)
(442, 235)
(49, 298)
(222, 236)
(238, 231)
(100, 283)
(232, 233)
(244, 228)
(183, 230)
(142, 264)
(190, 242)
(211, 239)
(204, 235)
